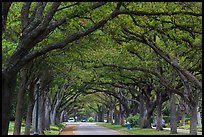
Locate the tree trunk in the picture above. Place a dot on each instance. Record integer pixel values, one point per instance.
(5, 10)
(62, 116)
(110, 120)
(41, 111)
(159, 112)
(47, 114)
(173, 114)
(199, 119)
(122, 119)
(34, 117)
(141, 109)
(193, 119)
(57, 118)
(148, 119)
(53, 119)
(183, 117)
(100, 117)
(20, 103)
(149, 108)
(34, 109)
(29, 109)
(8, 87)
(116, 116)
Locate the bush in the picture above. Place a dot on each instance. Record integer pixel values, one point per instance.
(167, 119)
(60, 125)
(133, 119)
(90, 119)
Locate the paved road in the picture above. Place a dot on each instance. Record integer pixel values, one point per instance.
(87, 128)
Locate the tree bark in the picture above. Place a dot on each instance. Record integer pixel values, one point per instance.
(54, 113)
(20, 103)
(47, 114)
(116, 116)
(122, 119)
(8, 87)
(141, 109)
(183, 117)
(5, 9)
(173, 114)
(41, 116)
(148, 118)
(159, 112)
(30, 108)
(33, 117)
(199, 119)
(193, 118)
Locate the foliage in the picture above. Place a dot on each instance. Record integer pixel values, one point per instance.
(90, 119)
(124, 41)
(133, 119)
(167, 119)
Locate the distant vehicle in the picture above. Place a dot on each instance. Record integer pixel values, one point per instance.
(71, 120)
(83, 120)
(163, 123)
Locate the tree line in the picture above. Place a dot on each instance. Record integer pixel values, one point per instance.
(138, 54)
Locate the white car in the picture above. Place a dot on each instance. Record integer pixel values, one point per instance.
(71, 120)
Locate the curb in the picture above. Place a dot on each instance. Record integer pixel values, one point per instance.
(62, 129)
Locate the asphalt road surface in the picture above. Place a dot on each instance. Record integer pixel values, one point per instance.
(87, 128)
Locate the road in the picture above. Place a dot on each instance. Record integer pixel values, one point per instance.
(86, 128)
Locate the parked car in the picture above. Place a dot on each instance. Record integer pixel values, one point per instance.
(84, 120)
(163, 123)
(71, 119)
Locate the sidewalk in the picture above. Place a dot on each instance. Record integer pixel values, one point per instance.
(182, 130)
(68, 129)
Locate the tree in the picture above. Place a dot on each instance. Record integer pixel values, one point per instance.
(36, 25)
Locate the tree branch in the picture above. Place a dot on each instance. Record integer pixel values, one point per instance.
(143, 13)
(25, 14)
(68, 6)
(5, 9)
(69, 39)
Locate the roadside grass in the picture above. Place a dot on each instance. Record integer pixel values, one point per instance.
(54, 129)
(187, 126)
(137, 131)
(11, 127)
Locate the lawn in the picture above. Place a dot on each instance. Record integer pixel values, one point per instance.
(11, 127)
(187, 126)
(54, 129)
(137, 131)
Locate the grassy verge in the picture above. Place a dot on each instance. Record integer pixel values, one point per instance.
(54, 129)
(11, 127)
(137, 131)
(187, 126)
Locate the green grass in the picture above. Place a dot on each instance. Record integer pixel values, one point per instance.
(54, 129)
(187, 126)
(11, 127)
(137, 131)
